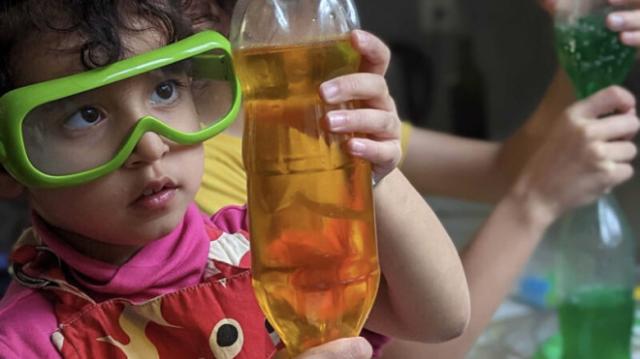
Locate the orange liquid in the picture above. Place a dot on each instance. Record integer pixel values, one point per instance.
(315, 263)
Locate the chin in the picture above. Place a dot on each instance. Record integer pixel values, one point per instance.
(158, 229)
(146, 230)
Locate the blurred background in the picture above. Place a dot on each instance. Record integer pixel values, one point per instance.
(472, 68)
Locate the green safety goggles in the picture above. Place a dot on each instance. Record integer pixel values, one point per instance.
(74, 129)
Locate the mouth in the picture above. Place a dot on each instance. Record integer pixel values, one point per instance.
(156, 195)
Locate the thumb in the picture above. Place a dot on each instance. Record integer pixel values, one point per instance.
(346, 348)
(613, 99)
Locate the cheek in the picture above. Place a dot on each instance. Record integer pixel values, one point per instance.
(187, 163)
(78, 207)
(190, 166)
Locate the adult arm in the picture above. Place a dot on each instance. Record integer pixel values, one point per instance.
(477, 170)
(583, 156)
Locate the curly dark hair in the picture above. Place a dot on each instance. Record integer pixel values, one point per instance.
(99, 23)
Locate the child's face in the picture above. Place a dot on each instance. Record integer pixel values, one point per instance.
(147, 197)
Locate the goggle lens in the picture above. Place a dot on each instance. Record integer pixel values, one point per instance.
(87, 130)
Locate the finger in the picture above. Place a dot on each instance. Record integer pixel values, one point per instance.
(355, 348)
(375, 54)
(613, 99)
(379, 124)
(383, 154)
(630, 38)
(621, 151)
(359, 86)
(614, 127)
(628, 20)
(618, 173)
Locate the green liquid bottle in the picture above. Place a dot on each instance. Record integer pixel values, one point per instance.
(595, 269)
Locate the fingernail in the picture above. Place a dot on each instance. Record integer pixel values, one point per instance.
(336, 120)
(616, 22)
(329, 91)
(362, 38)
(357, 147)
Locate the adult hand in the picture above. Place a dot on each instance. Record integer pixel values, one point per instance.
(626, 20)
(588, 151)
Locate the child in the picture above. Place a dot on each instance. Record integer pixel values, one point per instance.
(119, 261)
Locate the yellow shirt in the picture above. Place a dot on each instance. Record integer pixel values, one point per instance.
(224, 179)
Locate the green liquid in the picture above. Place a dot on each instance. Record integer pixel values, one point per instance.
(596, 324)
(592, 55)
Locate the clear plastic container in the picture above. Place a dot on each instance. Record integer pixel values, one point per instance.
(596, 278)
(314, 253)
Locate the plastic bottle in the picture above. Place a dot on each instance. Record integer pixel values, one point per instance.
(596, 256)
(595, 282)
(314, 253)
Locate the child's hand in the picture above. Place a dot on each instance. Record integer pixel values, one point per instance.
(355, 348)
(586, 153)
(377, 118)
(627, 22)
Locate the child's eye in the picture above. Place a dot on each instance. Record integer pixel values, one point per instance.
(165, 93)
(84, 118)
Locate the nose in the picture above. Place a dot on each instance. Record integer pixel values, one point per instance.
(149, 149)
